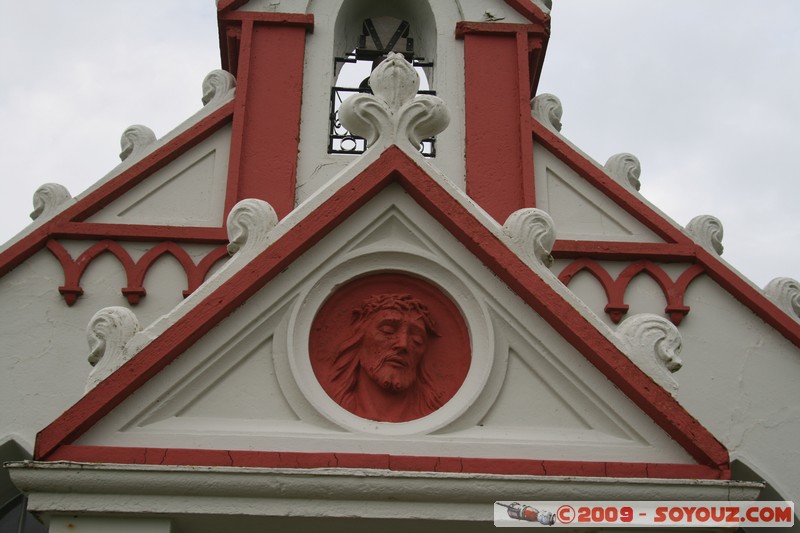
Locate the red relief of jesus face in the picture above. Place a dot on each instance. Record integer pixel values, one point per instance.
(393, 345)
(389, 347)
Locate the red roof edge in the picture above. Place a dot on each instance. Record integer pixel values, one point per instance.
(530, 11)
(392, 166)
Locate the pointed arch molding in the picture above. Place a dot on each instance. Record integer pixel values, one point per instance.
(56, 442)
(615, 288)
(135, 271)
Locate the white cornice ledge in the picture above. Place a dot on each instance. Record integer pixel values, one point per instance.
(331, 492)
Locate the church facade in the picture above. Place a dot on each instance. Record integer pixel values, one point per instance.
(327, 302)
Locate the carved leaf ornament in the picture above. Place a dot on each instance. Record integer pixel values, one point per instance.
(392, 114)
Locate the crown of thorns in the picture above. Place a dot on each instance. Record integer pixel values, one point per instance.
(399, 302)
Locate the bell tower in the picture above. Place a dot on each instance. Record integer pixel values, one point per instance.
(291, 60)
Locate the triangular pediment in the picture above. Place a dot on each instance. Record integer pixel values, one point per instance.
(581, 211)
(235, 369)
(189, 191)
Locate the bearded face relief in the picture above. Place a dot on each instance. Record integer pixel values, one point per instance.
(385, 356)
(393, 345)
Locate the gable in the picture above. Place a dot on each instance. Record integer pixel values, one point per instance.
(189, 191)
(581, 211)
(541, 334)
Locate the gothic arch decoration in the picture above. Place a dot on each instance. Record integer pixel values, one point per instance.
(614, 289)
(135, 271)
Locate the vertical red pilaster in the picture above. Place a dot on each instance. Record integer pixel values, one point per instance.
(499, 79)
(266, 120)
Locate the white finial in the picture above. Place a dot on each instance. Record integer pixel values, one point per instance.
(533, 233)
(107, 333)
(47, 199)
(135, 140)
(785, 293)
(393, 114)
(707, 231)
(626, 169)
(653, 343)
(249, 224)
(218, 86)
(547, 109)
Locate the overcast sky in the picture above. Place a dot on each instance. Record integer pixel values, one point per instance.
(703, 92)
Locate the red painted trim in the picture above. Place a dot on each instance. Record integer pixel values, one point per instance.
(625, 251)
(392, 166)
(396, 463)
(135, 271)
(464, 28)
(524, 77)
(230, 5)
(615, 289)
(137, 232)
(241, 71)
(496, 162)
(530, 11)
(199, 274)
(499, 73)
(616, 192)
(280, 19)
(266, 131)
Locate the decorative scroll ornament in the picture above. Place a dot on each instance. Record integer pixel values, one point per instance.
(785, 293)
(626, 169)
(392, 114)
(546, 108)
(533, 233)
(249, 224)
(218, 86)
(135, 141)
(47, 199)
(653, 343)
(707, 231)
(107, 333)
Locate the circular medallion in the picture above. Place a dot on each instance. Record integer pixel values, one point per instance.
(389, 347)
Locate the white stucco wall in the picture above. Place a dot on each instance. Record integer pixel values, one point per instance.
(43, 365)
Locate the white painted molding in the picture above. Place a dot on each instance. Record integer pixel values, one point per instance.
(547, 109)
(135, 141)
(107, 333)
(48, 199)
(785, 293)
(249, 224)
(653, 343)
(218, 86)
(68, 487)
(626, 169)
(533, 234)
(393, 115)
(707, 231)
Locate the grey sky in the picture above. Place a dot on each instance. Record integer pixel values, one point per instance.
(703, 92)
